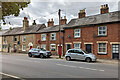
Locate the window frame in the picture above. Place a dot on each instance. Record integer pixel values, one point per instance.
(24, 38)
(102, 31)
(79, 45)
(53, 36)
(77, 33)
(51, 47)
(42, 36)
(43, 45)
(23, 47)
(102, 48)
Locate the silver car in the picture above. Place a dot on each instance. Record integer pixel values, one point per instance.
(39, 52)
(79, 54)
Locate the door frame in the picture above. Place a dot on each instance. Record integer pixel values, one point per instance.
(86, 46)
(66, 45)
(62, 49)
(118, 50)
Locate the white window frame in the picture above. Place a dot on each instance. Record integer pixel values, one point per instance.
(43, 46)
(102, 31)
(77, 33)
(51, 47)
(53, 36)
(23, 47)
(105, 48)
(43, 37)
(24, 38)
(77, 47)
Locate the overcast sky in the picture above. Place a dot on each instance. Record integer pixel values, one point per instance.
(42, 11)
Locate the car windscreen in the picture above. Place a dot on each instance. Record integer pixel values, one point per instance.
(42, 49)
(85, 52)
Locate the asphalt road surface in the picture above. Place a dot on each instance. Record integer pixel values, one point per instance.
(24, 67)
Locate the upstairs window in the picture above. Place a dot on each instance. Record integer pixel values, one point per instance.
(15, 38)
(53, 36)
(43, 37)
(24, 38)
(5, 39)
(77, 33)
(102, 31)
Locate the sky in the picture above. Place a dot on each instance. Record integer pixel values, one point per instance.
(42, 10)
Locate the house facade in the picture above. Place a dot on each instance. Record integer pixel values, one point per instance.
(21, 39)
(1, 36)
(49, 38)
(99, 34)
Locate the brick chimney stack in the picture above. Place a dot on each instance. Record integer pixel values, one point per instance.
(25, 23)
(104, 9)
(50, 23)
(63, 21)
(81, 14)
(34, 22)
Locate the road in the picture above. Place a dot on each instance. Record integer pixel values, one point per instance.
(25, 67)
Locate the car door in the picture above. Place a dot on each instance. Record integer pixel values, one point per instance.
(72, 54)
(80, 55)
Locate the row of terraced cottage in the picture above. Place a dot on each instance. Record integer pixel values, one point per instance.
(97, 34)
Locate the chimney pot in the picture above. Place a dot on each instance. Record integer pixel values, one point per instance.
(64, 17)
(104, 9)
(81, 14)
(25, 18)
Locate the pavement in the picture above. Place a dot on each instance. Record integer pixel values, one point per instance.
(104, 61)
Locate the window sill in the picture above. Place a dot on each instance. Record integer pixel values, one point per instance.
(102, 36)
(102, 53)
(76, 37)
(53, 40)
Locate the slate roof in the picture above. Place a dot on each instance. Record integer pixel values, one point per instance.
(3, 31)
(19, 30)
(54, 28)
(96, 19)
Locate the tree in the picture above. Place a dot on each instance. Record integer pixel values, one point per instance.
(12, 8)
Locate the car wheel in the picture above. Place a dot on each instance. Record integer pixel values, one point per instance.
(68, 58)
(41, 56)
(88, 59)
(29, 54)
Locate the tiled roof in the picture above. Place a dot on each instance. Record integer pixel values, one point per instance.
(96, 19)
(51, 29)
(29, 30)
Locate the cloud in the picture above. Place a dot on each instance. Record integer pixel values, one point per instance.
(42, 11)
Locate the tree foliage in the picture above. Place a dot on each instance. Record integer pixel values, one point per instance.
(12, 8)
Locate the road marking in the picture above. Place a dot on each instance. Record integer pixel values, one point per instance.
(80, 67)
(11, 76)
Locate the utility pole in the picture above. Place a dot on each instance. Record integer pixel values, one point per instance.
(59, 13)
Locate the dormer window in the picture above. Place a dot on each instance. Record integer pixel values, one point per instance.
(102, 31)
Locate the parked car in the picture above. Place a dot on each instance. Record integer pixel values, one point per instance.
(79, 54)
(39, 52)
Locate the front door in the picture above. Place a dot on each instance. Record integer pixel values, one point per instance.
(115, 51)
(88, 48)
(68, 46)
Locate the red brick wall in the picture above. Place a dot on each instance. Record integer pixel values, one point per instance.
(48, 41)
(90, 34)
